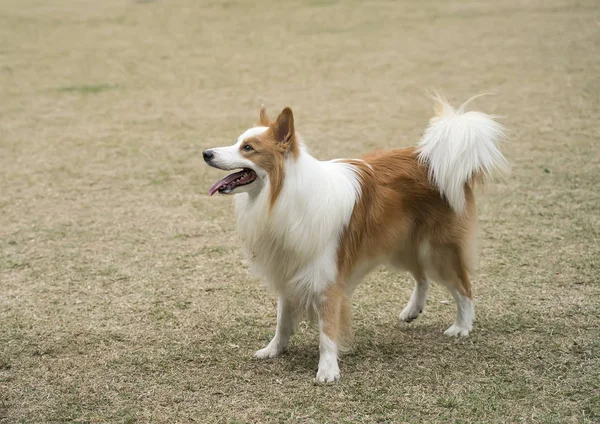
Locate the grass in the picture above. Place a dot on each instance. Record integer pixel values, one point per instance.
(124, 296)
(88, 89)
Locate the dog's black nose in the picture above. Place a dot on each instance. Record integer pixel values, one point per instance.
(208, 155)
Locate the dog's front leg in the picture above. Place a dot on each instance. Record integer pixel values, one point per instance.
(330, 323)
(283, 332)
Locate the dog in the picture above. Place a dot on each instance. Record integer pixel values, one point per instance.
(313, 229)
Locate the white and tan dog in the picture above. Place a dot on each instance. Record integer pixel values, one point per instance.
(313, 229)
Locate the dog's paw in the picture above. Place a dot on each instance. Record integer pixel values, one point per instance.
(409, 314)
(457, 331)
(328, 374)
(268, 352)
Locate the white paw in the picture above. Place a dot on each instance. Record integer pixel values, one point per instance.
(271, 351)
(457, 331)
(409, 314)
(328, 374)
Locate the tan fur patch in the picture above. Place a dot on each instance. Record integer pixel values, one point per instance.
(335, 313)
(263, 118)
(270, 149)
(398, 210)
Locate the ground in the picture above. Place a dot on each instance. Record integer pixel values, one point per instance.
(124, 296)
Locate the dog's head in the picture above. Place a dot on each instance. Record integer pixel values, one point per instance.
(260, 153)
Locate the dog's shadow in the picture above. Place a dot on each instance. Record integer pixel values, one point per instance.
(395, 345)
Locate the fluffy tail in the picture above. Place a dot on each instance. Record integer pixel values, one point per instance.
(459, 147)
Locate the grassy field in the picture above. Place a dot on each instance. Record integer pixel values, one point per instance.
(123, 293)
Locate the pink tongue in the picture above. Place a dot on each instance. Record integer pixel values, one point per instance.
(216, 186)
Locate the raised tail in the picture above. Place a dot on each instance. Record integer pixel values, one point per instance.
(459, 147)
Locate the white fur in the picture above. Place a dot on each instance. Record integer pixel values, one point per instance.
(465, 315)
(416, 304)
(283, 332)
(294, 246)
(329, 370)
(458, 145)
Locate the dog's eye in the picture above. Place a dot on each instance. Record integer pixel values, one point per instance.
(248, 148)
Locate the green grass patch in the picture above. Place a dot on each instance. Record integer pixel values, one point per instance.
(88, 89)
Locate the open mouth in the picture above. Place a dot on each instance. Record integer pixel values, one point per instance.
(232, 181)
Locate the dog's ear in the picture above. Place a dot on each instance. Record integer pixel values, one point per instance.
(283, 128)
(263, 118)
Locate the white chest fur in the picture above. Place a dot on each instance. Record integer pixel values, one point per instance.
(293, 246)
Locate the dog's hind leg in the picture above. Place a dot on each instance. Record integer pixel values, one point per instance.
(460, 288)
(447, 264)
(465, 314)
(416, 304)
(283, 332)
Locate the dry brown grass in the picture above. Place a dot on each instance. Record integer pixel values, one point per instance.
(123, 295)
